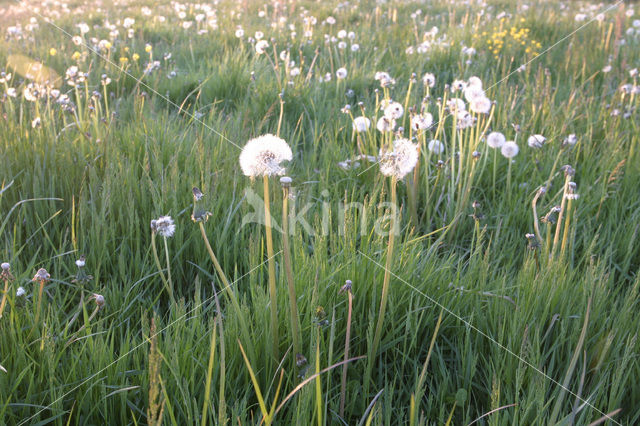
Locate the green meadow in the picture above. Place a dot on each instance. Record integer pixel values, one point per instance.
(457, 243)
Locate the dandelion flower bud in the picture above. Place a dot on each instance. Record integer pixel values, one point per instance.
(197, 194)
(20, 292)
(401, 160)
(568, 170)
(346, 287)
(496, 140)
(509, 149)
(536, 141)
(262, 156)
(361, 124)
(164, 226)
(99, 299)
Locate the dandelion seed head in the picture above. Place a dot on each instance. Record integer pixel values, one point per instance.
(385, 124)
(262, 156)
(422, 121)
(341, 73)
(480, 105)
(361, 124)
(536, 141)
(401, 160)
(429, 79)
(436, 147)
(163, 226)
(394, 110)
(261, 46)
(509, 149)
(5, 266)
(496, 140)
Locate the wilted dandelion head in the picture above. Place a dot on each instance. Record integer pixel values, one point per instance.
(163, 226)
(41, 276)
(401, 160)
(536, 141)
(496, 140)
(571, 191)
(509, 149)
(262, 156)
(361, 124)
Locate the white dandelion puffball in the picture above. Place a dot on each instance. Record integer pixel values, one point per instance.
(436, 147)
(422, 121)
(456, 105)
(341, 73)
(429, 79)
(20, 292)
(262, 156)
(509, 149)
(261, 46)
(473, 92)
(361, 124)
(401, 160)
(475, 82)
(164, 226)
(385, 124)
(480, 105)
(496, 140)
(394, 110)
(536, 141)
(571, 139)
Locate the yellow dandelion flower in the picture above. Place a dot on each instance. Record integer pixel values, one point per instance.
(135, 56)
(124, 60)
(53, 51)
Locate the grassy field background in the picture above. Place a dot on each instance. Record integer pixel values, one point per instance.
(526, 336)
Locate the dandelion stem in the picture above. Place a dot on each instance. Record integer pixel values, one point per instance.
(40, 291)
(295, 329)
(387, 272)
(556, 237)
(166, 252)
(207, 386)
(347, 339)
(272, 269)
(228, 291)
(4, 297)
(159, 266)
(565, 234)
